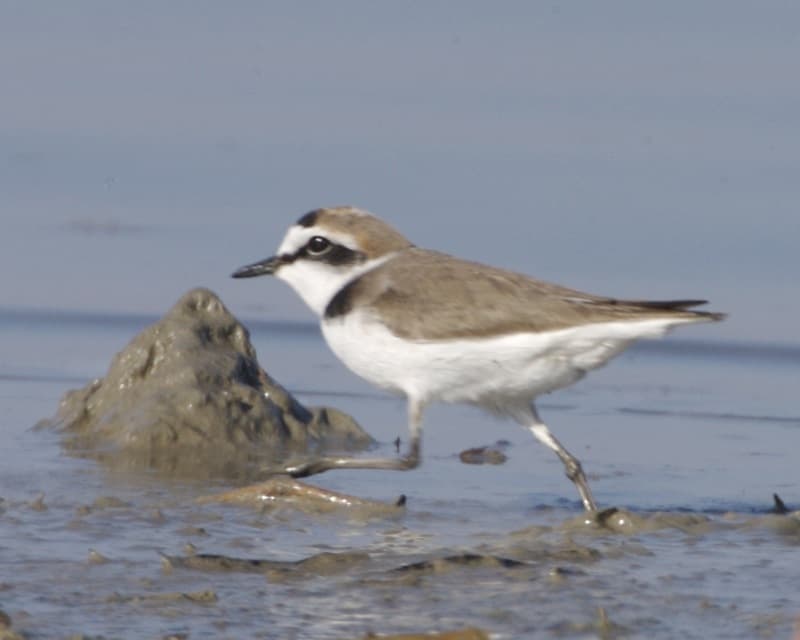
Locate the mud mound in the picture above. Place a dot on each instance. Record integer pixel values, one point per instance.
(188, 397)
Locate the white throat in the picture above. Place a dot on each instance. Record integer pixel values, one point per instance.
(317, 282)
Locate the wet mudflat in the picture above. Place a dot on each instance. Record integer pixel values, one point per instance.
(690, 443)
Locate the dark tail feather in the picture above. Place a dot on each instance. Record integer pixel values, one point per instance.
(675, 305)
(664, 304)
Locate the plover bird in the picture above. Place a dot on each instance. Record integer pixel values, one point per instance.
(433, 327)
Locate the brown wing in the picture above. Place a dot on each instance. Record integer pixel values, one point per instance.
(424, 295)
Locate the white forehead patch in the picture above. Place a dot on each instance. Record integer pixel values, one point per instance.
(295, 238)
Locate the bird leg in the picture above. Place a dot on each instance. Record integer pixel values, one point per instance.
(410, 460)
(572, 465)
(319, 465)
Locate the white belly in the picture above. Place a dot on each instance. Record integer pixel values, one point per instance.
(497, 373)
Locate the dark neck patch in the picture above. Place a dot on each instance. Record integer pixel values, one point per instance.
(342, 302)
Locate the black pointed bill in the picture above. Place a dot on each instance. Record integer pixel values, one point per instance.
(263, 268)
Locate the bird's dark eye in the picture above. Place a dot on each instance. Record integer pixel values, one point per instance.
(318, 245)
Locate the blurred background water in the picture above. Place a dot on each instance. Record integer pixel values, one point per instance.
(627, 149)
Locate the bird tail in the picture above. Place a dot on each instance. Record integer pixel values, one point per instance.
(677, 305)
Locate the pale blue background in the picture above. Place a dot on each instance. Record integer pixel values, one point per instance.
(627, 148)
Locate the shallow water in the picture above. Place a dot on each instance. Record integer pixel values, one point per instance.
(689, 440)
